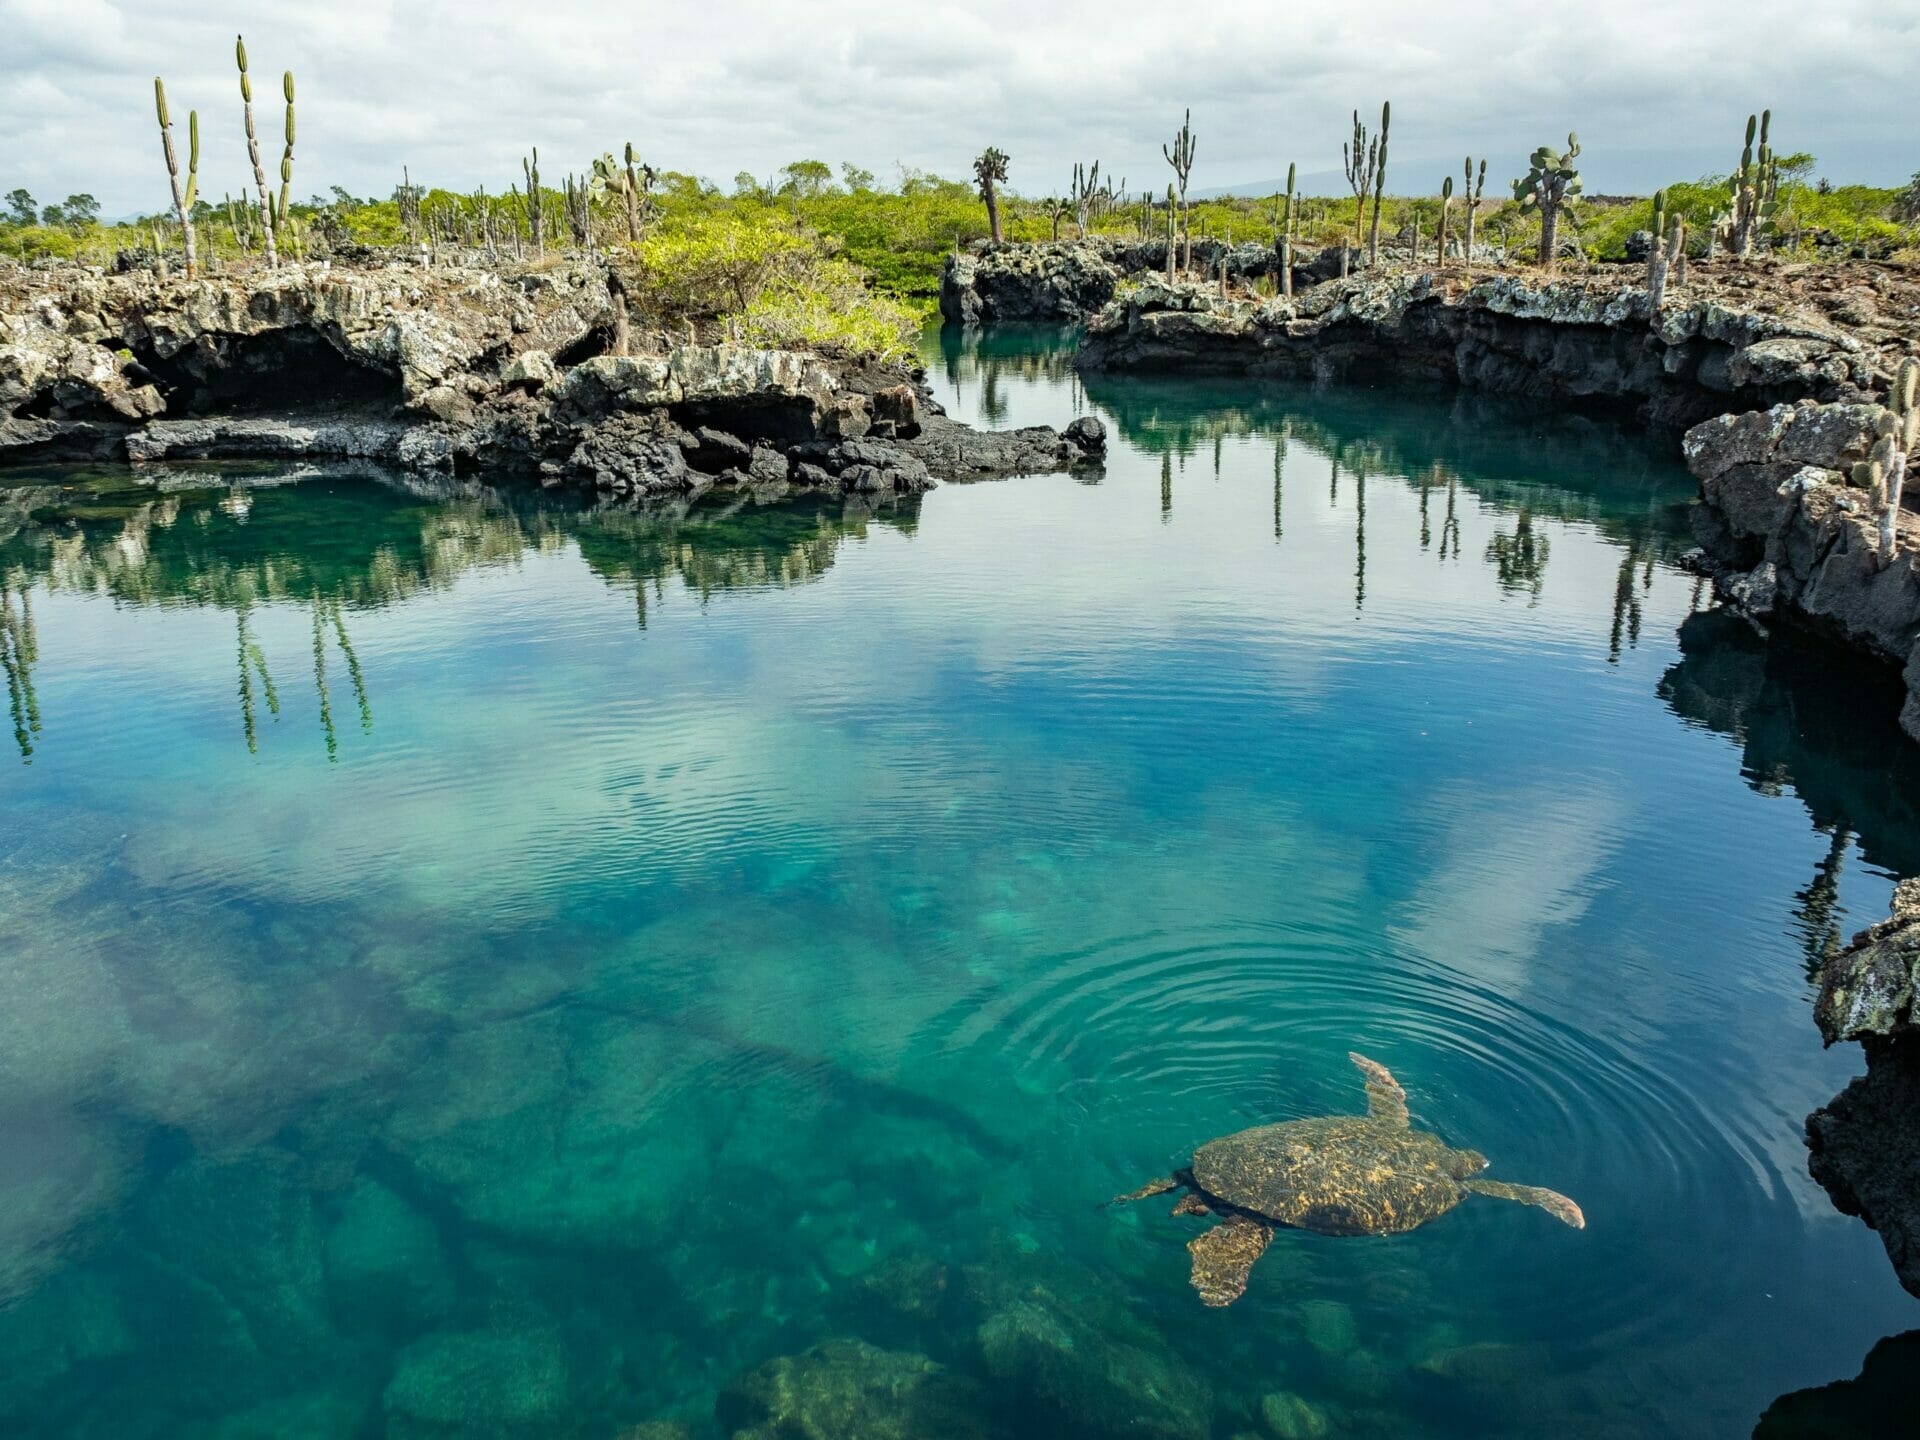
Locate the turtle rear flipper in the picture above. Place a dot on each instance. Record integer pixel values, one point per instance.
(1152, 1187)
(1223, 1256)
(1386, 1101)
(1551, 1201)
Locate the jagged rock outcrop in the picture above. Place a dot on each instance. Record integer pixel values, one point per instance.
(1864, 1145)
(1512, 333)
(1074, 280)
(458, 369)
(1868, 990)
(1026, 282)
(1783, 533)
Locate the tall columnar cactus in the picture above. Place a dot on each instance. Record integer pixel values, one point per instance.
(1379, 186)
(1470, 197)
(1884, 471)
(183, 196)
(1446, 206)
(579, 212)
(1362, 157)
(990, 172)
(1179, 154)
(1085, 188)
(283, 218)
(253, 151)
(640, 181)
(1550, 184)
(1755, 187)
(535, 215)
(1289, 222)
(1657, 255)
(1173, 244)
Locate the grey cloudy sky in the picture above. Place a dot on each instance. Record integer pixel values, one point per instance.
(457, 91)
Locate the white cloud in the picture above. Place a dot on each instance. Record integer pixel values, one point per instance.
(457, 92)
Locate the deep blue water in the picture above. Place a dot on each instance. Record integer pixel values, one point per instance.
(475, 963)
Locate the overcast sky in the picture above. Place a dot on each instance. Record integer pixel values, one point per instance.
(1658, 89)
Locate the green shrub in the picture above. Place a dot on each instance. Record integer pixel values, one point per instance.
(826, 304)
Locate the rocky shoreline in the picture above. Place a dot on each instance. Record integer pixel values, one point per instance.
(1863, 1144)
(456, 369)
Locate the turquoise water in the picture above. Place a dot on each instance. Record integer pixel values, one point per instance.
(476, 963)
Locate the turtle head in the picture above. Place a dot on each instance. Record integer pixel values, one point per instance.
(1465, 1163)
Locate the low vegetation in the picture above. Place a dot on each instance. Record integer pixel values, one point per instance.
(843, 261)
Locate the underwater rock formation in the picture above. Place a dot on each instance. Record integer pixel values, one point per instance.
(850, 1390)
(1063, 1349)
(479, 1383)
(454, 369)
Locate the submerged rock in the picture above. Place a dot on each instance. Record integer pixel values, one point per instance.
(1287, 1416)
(478, 1383)
(539, 1128)
(386, 1268)
(850, 1390)
(1065, 1350)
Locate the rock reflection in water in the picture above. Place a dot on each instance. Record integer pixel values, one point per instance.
(1877, 1404)
(334, 541)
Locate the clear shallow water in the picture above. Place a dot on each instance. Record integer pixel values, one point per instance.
(472, 963)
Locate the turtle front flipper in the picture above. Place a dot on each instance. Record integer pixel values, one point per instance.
(1386, 1101)
(1152, 1187)
(1551, 1201)
(1223, 1256)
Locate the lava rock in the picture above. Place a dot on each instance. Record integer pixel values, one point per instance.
(850, 1390)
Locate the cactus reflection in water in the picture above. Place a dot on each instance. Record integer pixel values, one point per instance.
(1817, 911)
(252, 659)
(1520, 559)
(19, 649)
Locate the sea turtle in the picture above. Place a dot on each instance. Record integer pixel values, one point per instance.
(1371, 1174)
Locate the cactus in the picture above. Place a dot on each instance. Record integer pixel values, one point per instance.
(1550, 184)
(1082, 195)
(253, 151)
(531, 169)
(1657, 256)
(1898, 431)
(1470, 197)
(1179, 154)
(578, 209)
(1755, 186)
(1173, 248)
(1288, 223)
(1379, 186)
(1446, 205)
(183, 197)
(989, 171)
(1362, 157)
(283, 215)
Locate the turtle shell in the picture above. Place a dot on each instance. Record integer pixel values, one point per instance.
(1340, 1175)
